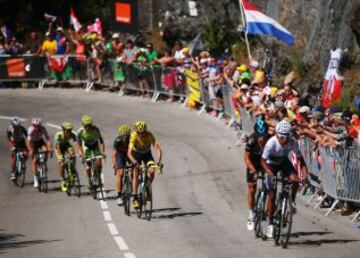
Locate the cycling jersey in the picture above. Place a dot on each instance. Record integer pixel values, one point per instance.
(16, 133)
(89, 137)
(275, 153)
(36, 134)
(62, 141)
(141, 142)
(121, 143)
(253, 147)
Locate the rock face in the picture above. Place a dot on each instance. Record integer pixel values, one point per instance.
(318, 25)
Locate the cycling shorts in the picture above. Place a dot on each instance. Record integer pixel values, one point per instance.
(250, 177)
(285, 167)
(38, 145)
(91, 151)
(121, 159)
(63, 149)
(21, 145)
(142, 157)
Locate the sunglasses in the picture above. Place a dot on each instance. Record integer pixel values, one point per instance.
(283, 136)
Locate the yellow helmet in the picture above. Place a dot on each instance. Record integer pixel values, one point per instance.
(67, 125)
(140, 126)
(124, 129)
(242, 68)
(86, 120)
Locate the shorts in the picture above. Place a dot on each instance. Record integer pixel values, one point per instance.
(63, 149)
(285, 167)
(91, 151)
(142, 157)
(21, 145)
(121, 159)
(38, 145)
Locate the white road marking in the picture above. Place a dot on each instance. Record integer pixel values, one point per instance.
(129, 255)
(121, 243)
(10, 117)
(113, 229)
(107, 216)
(104, 205)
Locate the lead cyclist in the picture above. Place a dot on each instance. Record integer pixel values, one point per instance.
(275, 158)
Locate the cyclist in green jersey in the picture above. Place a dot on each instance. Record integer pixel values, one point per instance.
(64, 147)
(89, 142)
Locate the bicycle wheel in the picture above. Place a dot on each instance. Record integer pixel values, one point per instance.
(21, 177)
(140, 200)
(260, 215)
(100, 186)
(126, 194)
(148, 203)
(45, 178)
(67, 180)
(277, 222)
(77, 186)
(93, 181)
(286, 221)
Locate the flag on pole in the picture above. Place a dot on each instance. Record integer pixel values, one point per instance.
(49, 18)
(258, 23)
(333, 81)
(96, 27)
(74, 21)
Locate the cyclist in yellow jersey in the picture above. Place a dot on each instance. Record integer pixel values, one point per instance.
(139, 151)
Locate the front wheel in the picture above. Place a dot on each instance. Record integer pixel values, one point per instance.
(286, 221)
(277, 221)
(148, 203)
(44, 178)
(260, 217)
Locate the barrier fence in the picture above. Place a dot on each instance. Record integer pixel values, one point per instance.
(336, 171)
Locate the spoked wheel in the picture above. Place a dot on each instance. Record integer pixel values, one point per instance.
(260, 217)
(126, 196)
(277, 222)
(140, 201)
(68, 186)
(286, 222)
(101, 188)
(44, 179)
(148, 203)
(77, 186)
(21, 178)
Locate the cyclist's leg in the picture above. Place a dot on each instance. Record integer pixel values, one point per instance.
(87, 155)
(98, 155)
(288, 168)
(149, 160)
(120, 164)
(13, 164)
(270, 188)
(139, 159)
(251, 182)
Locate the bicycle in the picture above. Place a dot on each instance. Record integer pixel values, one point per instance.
(283, 216)
(126, 189)
(71, 176)
(20, 168)
(260, 210)
(42, 171)
(145, 197)
(95, 179)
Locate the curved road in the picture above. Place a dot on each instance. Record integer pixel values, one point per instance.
(200, 200)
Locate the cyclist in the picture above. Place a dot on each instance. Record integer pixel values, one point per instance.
(139, 151)
(252, 158)
(275, 157)
(119, 156)
(64, 147)
(16, 137)
(38, 138)
(89, 141)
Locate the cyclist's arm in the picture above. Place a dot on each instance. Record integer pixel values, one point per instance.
(130, 148)
(158, 151)
(266, 167)
(78, 144)
(48, 140)
(113, 157)
(249, 163)
(102, 145)
(266, 155)
(10, 142)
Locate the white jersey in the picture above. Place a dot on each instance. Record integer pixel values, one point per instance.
(275, 153)
(36, 134)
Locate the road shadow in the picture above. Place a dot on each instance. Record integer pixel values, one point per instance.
(172, 213)
(319, 242)
(310, 233)
(11, 241)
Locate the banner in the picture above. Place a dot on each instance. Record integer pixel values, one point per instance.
(124, 16)
(24, 67)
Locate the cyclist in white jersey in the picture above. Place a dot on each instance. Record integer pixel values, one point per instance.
(275, 158)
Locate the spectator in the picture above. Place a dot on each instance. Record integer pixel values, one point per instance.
(2, 47)
(61, 42)
(35, 47)
(49, 46)
(151, 53)
(14, 48)
(129, 53)
(117, 45)
(169, 71)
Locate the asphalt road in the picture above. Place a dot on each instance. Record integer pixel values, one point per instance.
(199, 201)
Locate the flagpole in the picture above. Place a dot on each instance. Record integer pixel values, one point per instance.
(244, 26)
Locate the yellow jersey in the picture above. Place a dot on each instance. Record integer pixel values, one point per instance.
(141, 142)
(49, 47)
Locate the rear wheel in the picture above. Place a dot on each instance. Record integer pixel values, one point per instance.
(45, 178)
(140, 201)
(286, 222)
(21, 177)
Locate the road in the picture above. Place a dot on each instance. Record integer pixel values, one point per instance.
(199, 201)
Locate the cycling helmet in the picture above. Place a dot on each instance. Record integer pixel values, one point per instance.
(140, 127)
(36, 121)
(124, 129)
(260, 127)
(67, 125)
(86, 120)
(283, 127)
(15, 121)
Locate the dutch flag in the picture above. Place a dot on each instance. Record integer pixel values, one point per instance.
(260, 24)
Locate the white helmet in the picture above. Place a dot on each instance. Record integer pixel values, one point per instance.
(283, 127)
(36, 121)
(15, 121)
